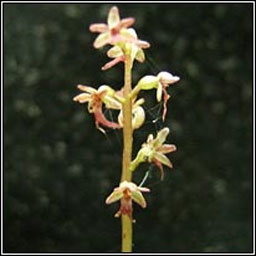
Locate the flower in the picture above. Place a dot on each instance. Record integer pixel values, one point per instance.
(110, 33)
(138, 115)
(154, 151)
(116, 31)
(126, 192)
(165, 79)
(95, 98)
(132, 47)
(160, 82)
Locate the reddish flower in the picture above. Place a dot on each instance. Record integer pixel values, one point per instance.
(110, 33)
(95, 99)
(126, 192)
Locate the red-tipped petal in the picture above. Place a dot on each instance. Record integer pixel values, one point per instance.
(113, 62)
(160, 167)
(167, 148)
(98, 28)
(143, 44)
(163, 159)
(126, 22)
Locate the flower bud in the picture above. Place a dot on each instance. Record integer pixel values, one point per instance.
(167, 78)
(138, 118)
(148, 82)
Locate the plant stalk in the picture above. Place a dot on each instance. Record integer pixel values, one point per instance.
(127, 151)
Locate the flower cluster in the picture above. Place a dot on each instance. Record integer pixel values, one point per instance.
(126, 47)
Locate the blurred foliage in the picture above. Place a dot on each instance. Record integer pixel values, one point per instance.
(58, 169)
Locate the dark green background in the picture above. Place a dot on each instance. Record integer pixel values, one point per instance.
(58, 169)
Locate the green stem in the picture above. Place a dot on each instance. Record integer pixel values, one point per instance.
(126, 234)
(135, 92)
(127, 152)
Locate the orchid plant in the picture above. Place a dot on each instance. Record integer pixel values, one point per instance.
(126, 48)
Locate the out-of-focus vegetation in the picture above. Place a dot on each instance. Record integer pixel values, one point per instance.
(58, 169)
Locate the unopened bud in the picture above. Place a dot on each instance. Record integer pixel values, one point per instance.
(148, 82)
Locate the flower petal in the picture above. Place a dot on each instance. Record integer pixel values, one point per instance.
(163, 159)
(150, 139)
(127, 185)
(114, 196)
(120, 118)
(140, 56)
(138, 117)
(113, 17)
(98, 28)
(112, 103)
(167, 148)
(161, 136)
(127, 22)
(159, 92)
(166, 98)
(134, 50)
(140, 158)
(101, 40)
(138, 198)
(113, 62)
(106, 88)
(148, 82)
(138, 102)
(115, 52)
(87, 89)
(132, 33)
(129, 34)
(143, 44)
(101, 119)
(143, 189)
(160, 167)
(168, 78)
(82, 97)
